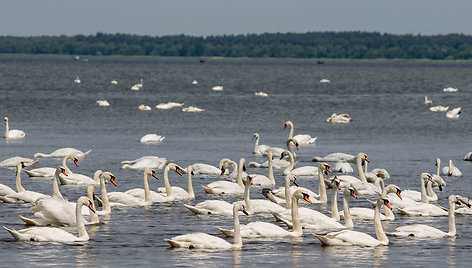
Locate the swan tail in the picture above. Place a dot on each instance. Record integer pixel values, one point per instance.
(313, 140)
(173, 243)
(8, 200)
(207, 190)
(29, 221)
(126, 166)
(279, 218)
(82, 156)
(322, 239)
(13, 233)
(193, 209)
(316, 159)
(228, 233)
(32, 164)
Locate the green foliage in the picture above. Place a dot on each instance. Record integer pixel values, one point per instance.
(340, 45)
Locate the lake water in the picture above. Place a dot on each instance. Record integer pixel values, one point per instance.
(391, 124)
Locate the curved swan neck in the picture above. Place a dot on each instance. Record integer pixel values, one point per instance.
(322, 186)
(430, 191)
(83, 235)
(452, 217)
(379, 232)
(189, 182)
(93, 215)
(334, 205)
(64, 164)
(292, 163)
(347, 214)
(247, 200)
(19, 187)
(359, 169)
(239, 178)
(166, 181)
(297, 226)
(290, 124)
(287, 191)
(147, 192)
(270, 174)
(424, 198)
(103, 190)
(55, 185)
(238, 242)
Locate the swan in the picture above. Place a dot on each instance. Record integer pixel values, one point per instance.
(408, 202)
(367, 214)
(144, 162)
(342, 167)
(325, 80)
(339, 118)
(136, 196)
(259, 149)
(315, 220)
(263, 181)
(451, 170)
(194, 82)
(261, 94)
(286, 189)
(52, 234)
(355, 238)
(361, 184)
(102, 177)
(425, 231)
(12, 162)
(301, 171)
(12, 133)
(322, 168)
(206, 241)
(63, 152)
(468, 156)
(375, 173)
(152, 138)
(114, 82)
(137, 86)
(74, 178)
(430, 194)
(205, 169)
(193, 109)
(227, 187)
(103, 103)
(22, 194)
(427, 101)
(438, 108)
(217, 88)
(301, 138)
(450, 89)
(4, 191)
(174, 192)
(77, 80)
(454, 113)
(143, 107)
(169, 105)
(44, 172)
(261, 229)
(335, 157)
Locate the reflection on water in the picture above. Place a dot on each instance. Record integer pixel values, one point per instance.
(451, 252)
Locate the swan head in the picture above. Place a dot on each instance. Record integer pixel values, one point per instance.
(294, 180)
(76, 162)
(384, 201)
(288, 123)
(460, 200)
(109, 176)
(5, 120)
(270, 154)
(176, 168)
(242, 163)
(61, 169)
(325, 168)
(363, 157)
(394, 189)
(336, 183)
(112, 180)
(248, 180)
(255, 135)
(299, 194)
(83, 200)
(285, 153)
(294, 141)
(438, 162)
(426, 176)
(239, 206)
(190, 170)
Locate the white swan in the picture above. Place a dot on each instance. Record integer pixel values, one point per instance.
(168, 105)
(261, 229)
(335, 157)
(454, 113)
(227, 187)
(355, 238)
(63, 152)
(451, 170)
(103, 103)
(152, 138)
(339, 118)
(44, 172)
(342, 167)
(144, 107)
(205, 169)
(193, 109)
(102, 177)
(206, 241)
(408, 202)
(77, 80)
(12, 162)
(137, 86)
(315, 220)
(51, 234)
(177, 193)
(259, 149)
(301, 138)
(367, 214)
(133, 197)
(361, 184)
(425, 231)
(450, 89)
(4, 191)
(144, 162)
(74, 178)
(430, 194)
(427, 101)
(468, 156)
(375, 173)
(12, 133)
(217, 88)
(438, 108)
(261, 94)
(286, 189)
(263, 181)
(302, 171)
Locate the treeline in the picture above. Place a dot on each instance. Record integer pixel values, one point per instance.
(347, 45)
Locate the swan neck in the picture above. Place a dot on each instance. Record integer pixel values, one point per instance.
(256, 146)
(147, 192)
(270, 174)
(322, 187)
(238, 242)
(64, 164)
(430, 191)
(239, 178)
(93, 215)
(452, 217)
(166, 181)
(290, 134)
(360, 170)
(347, 214)
(7, 130)
(19, 187)
(438, 164)
(247, 200)
(297, 226)
(287, 191)
(83, 235)
(379, 232)
(189, 183)
(103, 190)
(290, 167)
(334, 205)
(424, 198)
(55, 186)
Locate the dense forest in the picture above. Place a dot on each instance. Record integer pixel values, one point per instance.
(340, 45)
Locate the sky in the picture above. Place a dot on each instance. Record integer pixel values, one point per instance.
(219, 17)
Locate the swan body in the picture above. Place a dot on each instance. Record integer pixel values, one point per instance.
(137, 86)
(301, 138)
(12, 162)
(454, 113)
(74, 178)
(339, 118)
(52, 234)
(342, 167)
(227, 187)
(194, 82)
(63, 152)
(427, 101)
(22, 194)
(144, 162)
(259, 149)
(193, 109)
(409, 202)
(335, 157)
(324, 80)
(263, 181)
(144, 107)
(468, 156)
(168, 105)
(264, 229)
(206, 241)
(451, 170)
(44, 172)
(355, 238)
(205, 169)
(178, 193)
(217, 88)
(261, 94)
(134, 197)
(103, 103)
(12, 133)
(438, 108)
(425, 231)
(77, 80)
(151, 138)
(450, 89)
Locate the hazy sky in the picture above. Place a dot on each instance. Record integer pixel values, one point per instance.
(216, 17)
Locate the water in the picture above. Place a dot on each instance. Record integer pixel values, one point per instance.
(391, 124)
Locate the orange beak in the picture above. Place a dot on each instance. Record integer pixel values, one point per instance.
(307, 199)
(250, 180)
(63, 171)
(90, 206)
(296, 145)
(222, 171)
(154, 175)
(387, 204)
(177, 169)
(76, 162)
(399, 195)
(112, 180)
(329, 170)
(367, 160)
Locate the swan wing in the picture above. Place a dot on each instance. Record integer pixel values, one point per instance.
(418, 231)
(199, 241)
